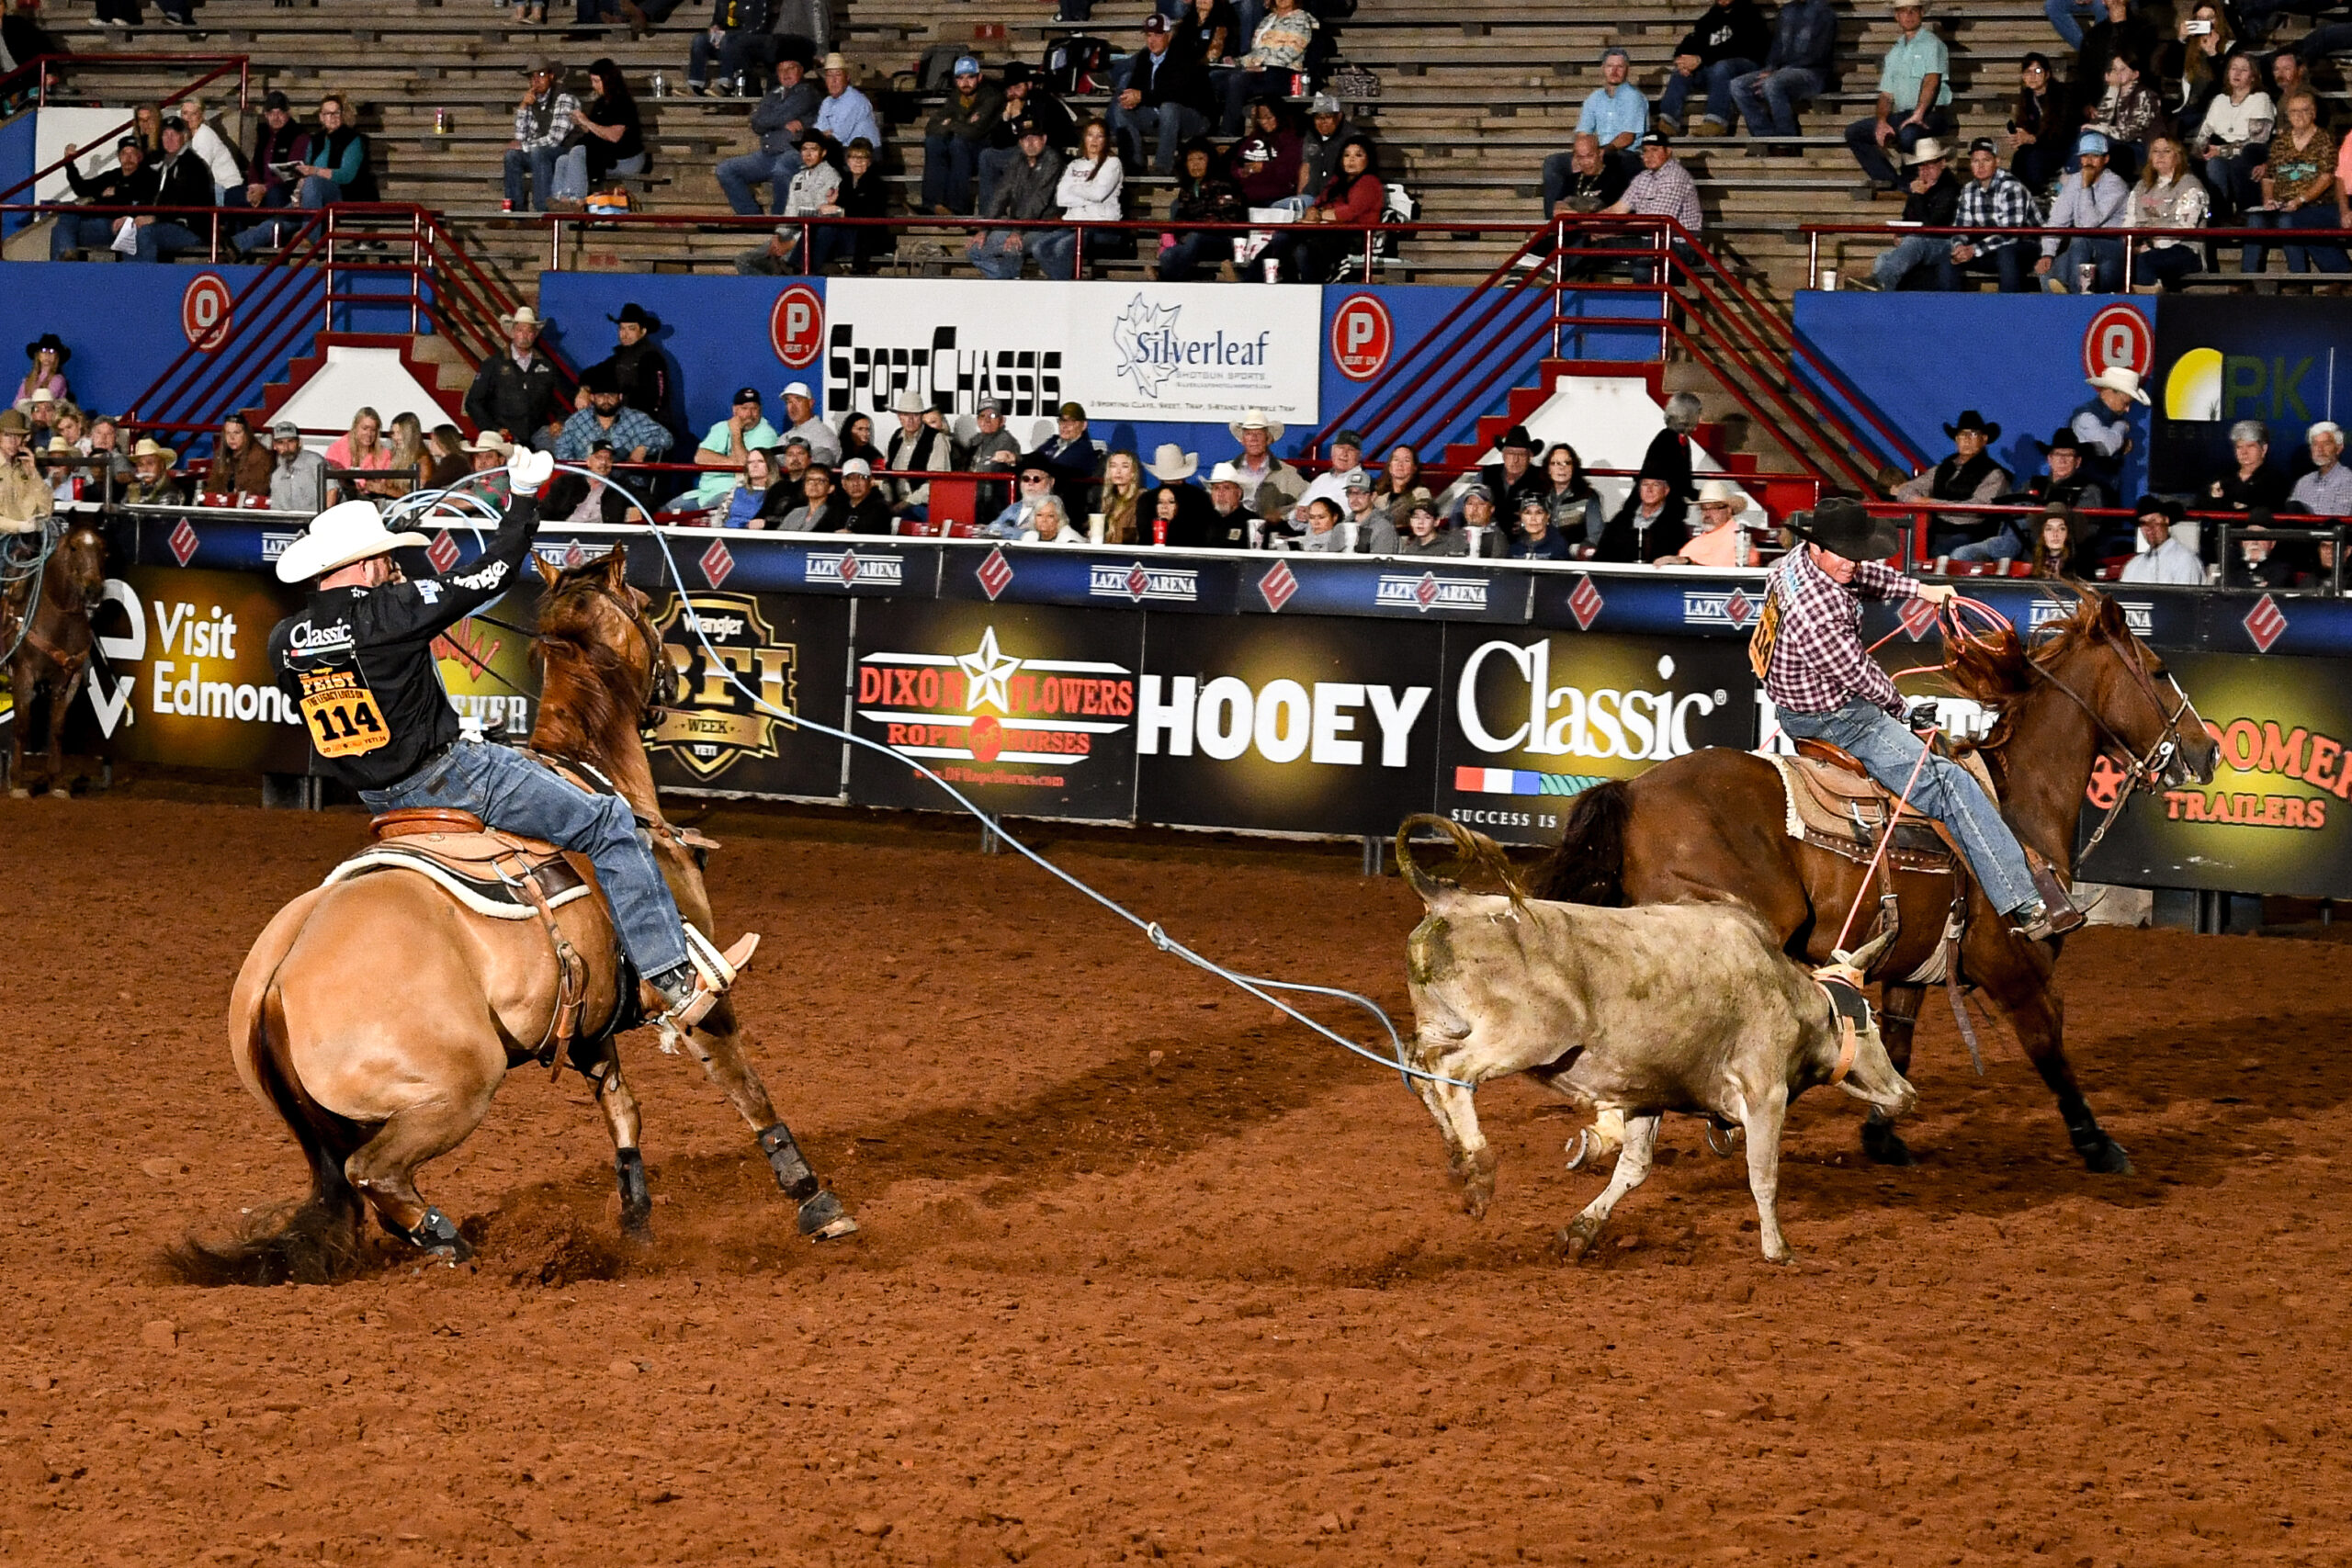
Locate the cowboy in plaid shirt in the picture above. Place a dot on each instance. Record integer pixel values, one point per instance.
(1994, 201)
(1809, 652)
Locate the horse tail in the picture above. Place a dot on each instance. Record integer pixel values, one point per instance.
(1588, 867)
(317, 1241)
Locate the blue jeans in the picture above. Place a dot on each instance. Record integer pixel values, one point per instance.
(2165, 266)
(2105, 257)
(2299, 258)
(74, 230)
(996, 256)
(2003, 546)
(773, 170)
(948, 163)
(536, 166)
(1887, 752)
(2012, 263)
(1056, 252)
(508, 790)
(1715, 79)
(164, 239)
(1181, 261)
(1770, 103)
(1861, 140)
(571, 173)
(2230, 177)
(1912, 256)
(1173, 123)
(2066, 18)
(739, 55)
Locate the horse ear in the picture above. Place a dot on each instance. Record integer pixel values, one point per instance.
(616, 567)
(548, 573)
(2111, 621)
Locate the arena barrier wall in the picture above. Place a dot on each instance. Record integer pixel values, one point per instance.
(1229, 689)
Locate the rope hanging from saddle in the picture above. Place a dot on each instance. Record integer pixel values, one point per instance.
(23, 573)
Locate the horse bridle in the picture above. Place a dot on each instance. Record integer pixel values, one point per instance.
(2142, 770)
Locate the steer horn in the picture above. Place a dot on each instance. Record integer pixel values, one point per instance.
(1870, 952)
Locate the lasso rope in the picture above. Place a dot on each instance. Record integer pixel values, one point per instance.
(14, 572)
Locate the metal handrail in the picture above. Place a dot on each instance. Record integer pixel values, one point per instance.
(2276, 239)
(221, 65)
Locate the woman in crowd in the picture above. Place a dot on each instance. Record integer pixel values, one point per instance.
(748, 504)
(1308, 251)
(1277, 52)
(147, 125)
(857, 440)
(2062, 545)
(1204, 195)
(1125, 522)
(48, 373)
(445, 449)
(1263, 164)
(1399, 480)
(2128, 114)
(1049, 524)
(1209, 29)
(2298, 190)
(74, 427)
(1537, 537)
(606, 138)
(343, 172)
(2233, 141)
(861, 194)
(1574, 505)
(2168, 196)
(1089, 194)
(2040, 127)
(407, 455)
(240, 465)
(2190, 70)
(361, 449)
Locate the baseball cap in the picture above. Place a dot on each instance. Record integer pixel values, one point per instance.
(1324, 103)
(988, 405)
(129, 141)
(1477, 488)
(2091, 142)
(274, 99)
(1984, 145)
(858, 465)
(600, 447)
(798, 390)
(967, 66)
(800, 441)
(1658, 138)
(1025, 128)
(286, 430)
(1154, 23)
(1357, 480)
(745, 395)
(174, 122)
(1347, 438)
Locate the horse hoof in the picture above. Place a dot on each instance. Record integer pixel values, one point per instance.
(1576, 1240)
(638, 1229)
(451, 1253)
(1780, 1257)
(823, 1218)
(2107, 1158)
(1885, 1146)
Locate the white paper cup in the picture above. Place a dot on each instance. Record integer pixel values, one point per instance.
(1829, 280)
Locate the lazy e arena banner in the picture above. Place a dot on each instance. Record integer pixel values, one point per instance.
(1159, 352)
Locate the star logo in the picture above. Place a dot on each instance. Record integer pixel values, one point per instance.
(985, 671)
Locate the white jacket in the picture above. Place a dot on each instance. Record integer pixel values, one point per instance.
(1088, 197)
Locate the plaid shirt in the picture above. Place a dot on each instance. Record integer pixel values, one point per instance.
(1818, 658)
(1667, 191)
(559, 123)
(632, 428)
(2004, 204)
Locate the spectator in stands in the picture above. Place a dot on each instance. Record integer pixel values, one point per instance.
(952, 137)
(1049, 524)
(1651, 524)
(1795, 70)
(343, 172)
(2062, 544)
(2127, 115)
(812, 190)
(49, 355)
(1088, 192)
(1265, 163)
(1210, 30)
(1230, 518)
(1033, 487)
(2168, 196)
(1323, 535)
(1202, 195)
(1668, 455)
(445, 444)
(1483, 524)
(1363, 508)
(1328, 132)
(2162, 557)
(27, 501)
(1077, 459)
(1399, 480)
(993, 449)
(73, 428)
(1931, 200)
(778, 119)
(726, 445)
(181, 180)
(1424, 534)
(2287, 75)
(2065, 484)
(154, 484)
(1276, 53)
(636, 363)
(2299, 191)
(2327, 489)
(2233, 140)
(864, 509)
(793, 457)
(822, 509)
(2188, 72)
(2040, 126)
(515, 391)
(358, 450)
(213, 149)
(1724, 45)
(1177, 511)
(2091, 198)
(1718, 539)
(1535, 538)
(1996, 205)
(106, 437)
(1025, 98)
(856, 436)
(1270, 487)
(607, 417)
(1025, 192)
(147, 125)
(1568, 496)
(2103, 424)
(801, 421)
(281, 145)
(607, 138)
(921, 444)
(1347, 458)
(1351, 200)
(1513, 473)
(861, 194)
(1914, 97)
(846, 114)
(736, 40)
(542, 125)
(298, 480)
(1615, 111)
(2120, 32)
(238, 465)
(107, 198)
(404, 461)
(752, 500)
(42, 409)
(2253, 481)
(1969, 475)
(589, 498)
(1663, 189)
(1163, 90)
(1584, 178)
(2261, 563)
(1125, 521)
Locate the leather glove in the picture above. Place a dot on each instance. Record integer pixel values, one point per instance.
(1921, 713)
(527, 470)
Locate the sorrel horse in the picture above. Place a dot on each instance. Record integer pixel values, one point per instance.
(377, 1015)
(1712, 825)
(45, 617)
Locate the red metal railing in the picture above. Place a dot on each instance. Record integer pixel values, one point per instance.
(221, 64)
(2133, 240)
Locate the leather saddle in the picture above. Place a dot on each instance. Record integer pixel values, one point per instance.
(489, 870)
(1835, 806)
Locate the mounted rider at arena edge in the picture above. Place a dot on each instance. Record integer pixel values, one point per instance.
(1807, 648)
(362, 651)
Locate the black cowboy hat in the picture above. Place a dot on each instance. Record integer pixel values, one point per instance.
(1971, 420)
(1516, 436)
(636, 314)
(1839, 525)
(2063, 441)
(48, 341)
(2164, 505)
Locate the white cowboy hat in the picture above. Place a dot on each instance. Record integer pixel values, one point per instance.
(490, 441)
(1729, 494)
(1926, 152)
(1255, 419)
(835, 62)
(522, 313)
(1170, 463)
(1224, 474)
(2115, 378)
(350, 531)
(907, 401)
(148, 447)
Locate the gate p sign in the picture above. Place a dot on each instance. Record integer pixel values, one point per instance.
(204, 312)
(1361, 336)
(2118, 338)
(797, 326)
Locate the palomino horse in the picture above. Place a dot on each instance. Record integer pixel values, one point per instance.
(57, 597)
(376, 1016)
(1711, 825)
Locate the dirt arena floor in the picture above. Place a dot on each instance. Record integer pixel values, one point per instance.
(1147, 1272)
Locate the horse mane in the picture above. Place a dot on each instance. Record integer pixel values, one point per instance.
(580, 674)
(1998, 667)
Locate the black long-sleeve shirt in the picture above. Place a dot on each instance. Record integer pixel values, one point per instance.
(365, 657)
(114, 188)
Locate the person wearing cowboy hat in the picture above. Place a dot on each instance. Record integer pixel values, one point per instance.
(49, 355)
(356, 662)
(516, 391)
(1272, 487)
(923, 445)
(2103, 424)
(2065, 484)
(845, 114)
(1807, 646)
(1722, 537)
(27, 501)
(636, 363)
(2162, 557)
(1176, 501)
(1033, 485)
(1969, 475)
(154, 485)
(297, 475)
(1230, 521)
(1931, 199)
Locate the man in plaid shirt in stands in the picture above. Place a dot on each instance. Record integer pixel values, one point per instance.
(1808, 650)
(1663, 189)
(1995, 201)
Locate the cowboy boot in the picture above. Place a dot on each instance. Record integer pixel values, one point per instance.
(708, 973)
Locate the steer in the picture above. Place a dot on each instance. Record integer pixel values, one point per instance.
(1639, 1012)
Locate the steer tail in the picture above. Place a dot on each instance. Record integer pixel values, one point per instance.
(1588, 867)
(1474, 849)
(317, 1243)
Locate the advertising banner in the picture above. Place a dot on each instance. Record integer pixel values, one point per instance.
(793, 652)
(1534, 717)
(1639, 600)
(1130, 577)
(183, 674)
(1446, 590)
(1027, 709)
(2223, 357)
(1291, 726)
(2277, 815)
(1145, 351)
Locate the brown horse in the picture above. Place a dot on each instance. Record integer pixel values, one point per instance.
(52, 652)
(378, 1066)
(1711, 825)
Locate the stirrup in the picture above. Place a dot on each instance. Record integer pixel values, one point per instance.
(714, 973)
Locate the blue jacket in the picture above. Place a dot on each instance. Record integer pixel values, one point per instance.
(1804, 35)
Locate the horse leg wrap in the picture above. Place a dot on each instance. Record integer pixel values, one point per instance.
(792, 1172)
(636, 1202)
(438, 1233)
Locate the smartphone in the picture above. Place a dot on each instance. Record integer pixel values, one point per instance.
(2197, 29)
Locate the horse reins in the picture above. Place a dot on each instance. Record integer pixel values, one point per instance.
(2144, 771)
